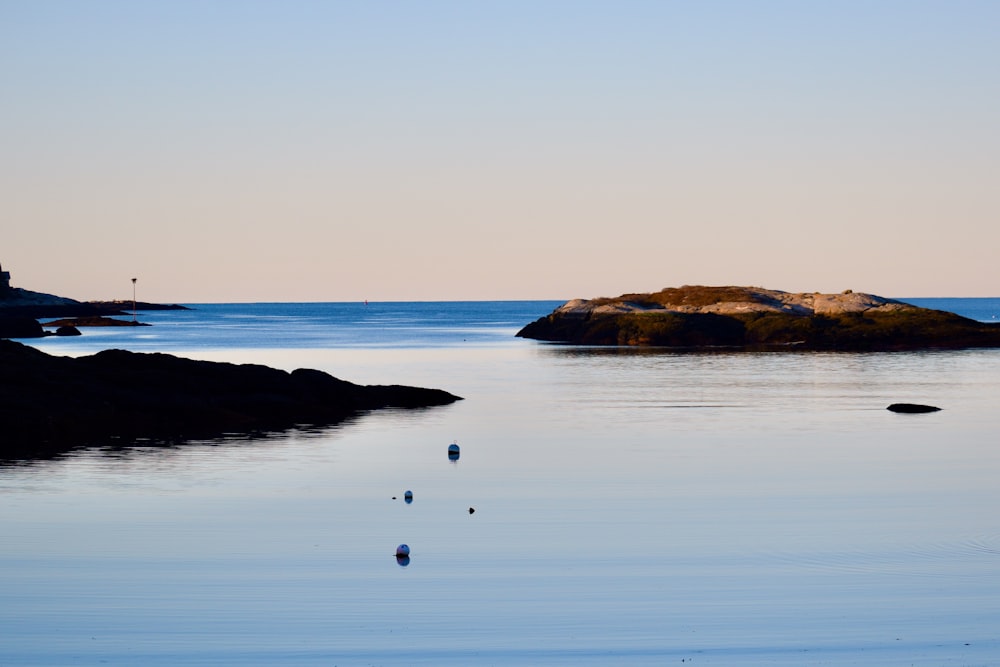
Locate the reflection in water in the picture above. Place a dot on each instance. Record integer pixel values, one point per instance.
(155, 452)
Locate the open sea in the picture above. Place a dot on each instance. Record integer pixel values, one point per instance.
(632, 507)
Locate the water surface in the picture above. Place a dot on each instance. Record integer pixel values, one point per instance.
(631, 508)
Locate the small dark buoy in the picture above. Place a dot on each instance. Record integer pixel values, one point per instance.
(453, 452)
(408, 497)
(402, 551)
(472, 510)
(911, 408)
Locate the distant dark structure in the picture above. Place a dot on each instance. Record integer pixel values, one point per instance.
(4, 281)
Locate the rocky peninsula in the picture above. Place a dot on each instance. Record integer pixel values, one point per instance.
(50, 404)
(20, 310)
(754, 318)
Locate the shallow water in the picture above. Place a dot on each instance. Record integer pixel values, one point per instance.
(632, 508)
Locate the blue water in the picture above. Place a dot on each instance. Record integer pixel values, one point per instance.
(632, 507)
(395, 325)
(982, 309)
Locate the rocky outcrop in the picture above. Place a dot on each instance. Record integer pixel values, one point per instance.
(20, 327)
(49, 404)
(757, 318)
(20, 310)
(18, 302)
(912, 408)
(733, 301)
(16, 297)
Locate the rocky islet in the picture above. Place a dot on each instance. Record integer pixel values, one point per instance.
(753, 318)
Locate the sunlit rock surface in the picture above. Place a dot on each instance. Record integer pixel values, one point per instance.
(758, 318)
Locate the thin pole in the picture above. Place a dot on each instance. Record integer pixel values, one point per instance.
(133, 299)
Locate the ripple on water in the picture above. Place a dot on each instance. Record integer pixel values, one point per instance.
(939, 559)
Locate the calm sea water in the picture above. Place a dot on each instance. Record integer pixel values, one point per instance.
(631, 507)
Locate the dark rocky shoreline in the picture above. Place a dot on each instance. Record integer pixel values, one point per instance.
(50, 405)
(21, 310)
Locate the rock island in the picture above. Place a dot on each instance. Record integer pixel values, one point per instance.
(754, 318)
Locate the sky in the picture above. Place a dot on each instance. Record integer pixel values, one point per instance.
(247, 151)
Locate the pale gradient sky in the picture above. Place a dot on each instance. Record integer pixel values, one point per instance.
(340, 151)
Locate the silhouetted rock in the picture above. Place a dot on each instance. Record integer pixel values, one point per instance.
(67, 330)
(49, 404)
(696, 317)
(17, 297)
(17, 302)
(20, 327)
(911, 408)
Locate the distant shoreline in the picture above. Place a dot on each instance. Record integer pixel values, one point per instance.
(80, 309)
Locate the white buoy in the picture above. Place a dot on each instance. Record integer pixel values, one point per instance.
(402, 551)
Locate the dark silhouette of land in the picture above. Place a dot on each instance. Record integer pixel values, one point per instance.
(50, 405)
(21, 310)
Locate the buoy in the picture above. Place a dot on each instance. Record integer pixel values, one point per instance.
(453, 452)
(472, 510)
(402, 551)
(408, 497)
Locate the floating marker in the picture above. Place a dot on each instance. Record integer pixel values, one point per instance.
(402, 551)
(472, 510)
(453, 452)
(408, 498)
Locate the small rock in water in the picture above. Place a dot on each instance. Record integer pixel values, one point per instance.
(911, 408)
(402, 551)
(472, 510)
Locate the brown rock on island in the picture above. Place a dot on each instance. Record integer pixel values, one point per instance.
(51, 404)
(754, 318)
